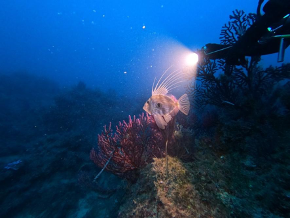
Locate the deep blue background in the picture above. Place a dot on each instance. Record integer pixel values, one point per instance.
(97, 41)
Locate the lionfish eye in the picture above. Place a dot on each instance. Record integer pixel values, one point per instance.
(158, 105)
(147, 102)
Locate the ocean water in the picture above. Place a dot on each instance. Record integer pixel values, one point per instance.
(76, 142)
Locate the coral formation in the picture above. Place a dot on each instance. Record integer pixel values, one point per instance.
(236, 27)
(131, 147)
(246, 98)
(224, 85)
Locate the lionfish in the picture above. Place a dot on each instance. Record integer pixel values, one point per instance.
(164, 106)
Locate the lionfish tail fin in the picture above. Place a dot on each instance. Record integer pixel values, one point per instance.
(184, 104)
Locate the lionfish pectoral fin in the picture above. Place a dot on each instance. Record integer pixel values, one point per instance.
(159, 121)
(184, 104)
(167, 118)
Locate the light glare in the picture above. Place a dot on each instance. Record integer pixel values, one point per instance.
(192, 59)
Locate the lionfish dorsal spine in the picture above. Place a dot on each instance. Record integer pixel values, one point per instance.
(170, 82)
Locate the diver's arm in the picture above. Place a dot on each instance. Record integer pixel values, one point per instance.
(248, 44)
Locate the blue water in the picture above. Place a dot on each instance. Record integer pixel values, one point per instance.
(97, 41)
(68, 68)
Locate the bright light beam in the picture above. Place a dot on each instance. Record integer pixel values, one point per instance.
(191, 59)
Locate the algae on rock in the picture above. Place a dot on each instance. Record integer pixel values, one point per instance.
(155, 195)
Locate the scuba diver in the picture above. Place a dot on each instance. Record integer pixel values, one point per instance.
(270, 33)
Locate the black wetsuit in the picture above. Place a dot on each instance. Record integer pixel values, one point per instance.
(248, 44)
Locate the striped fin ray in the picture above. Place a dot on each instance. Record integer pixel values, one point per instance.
(170, 82)
(184, 104)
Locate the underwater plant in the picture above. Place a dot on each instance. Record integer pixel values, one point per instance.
(246, 98)
(134, 144)
(236, 27)
(240, 88)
